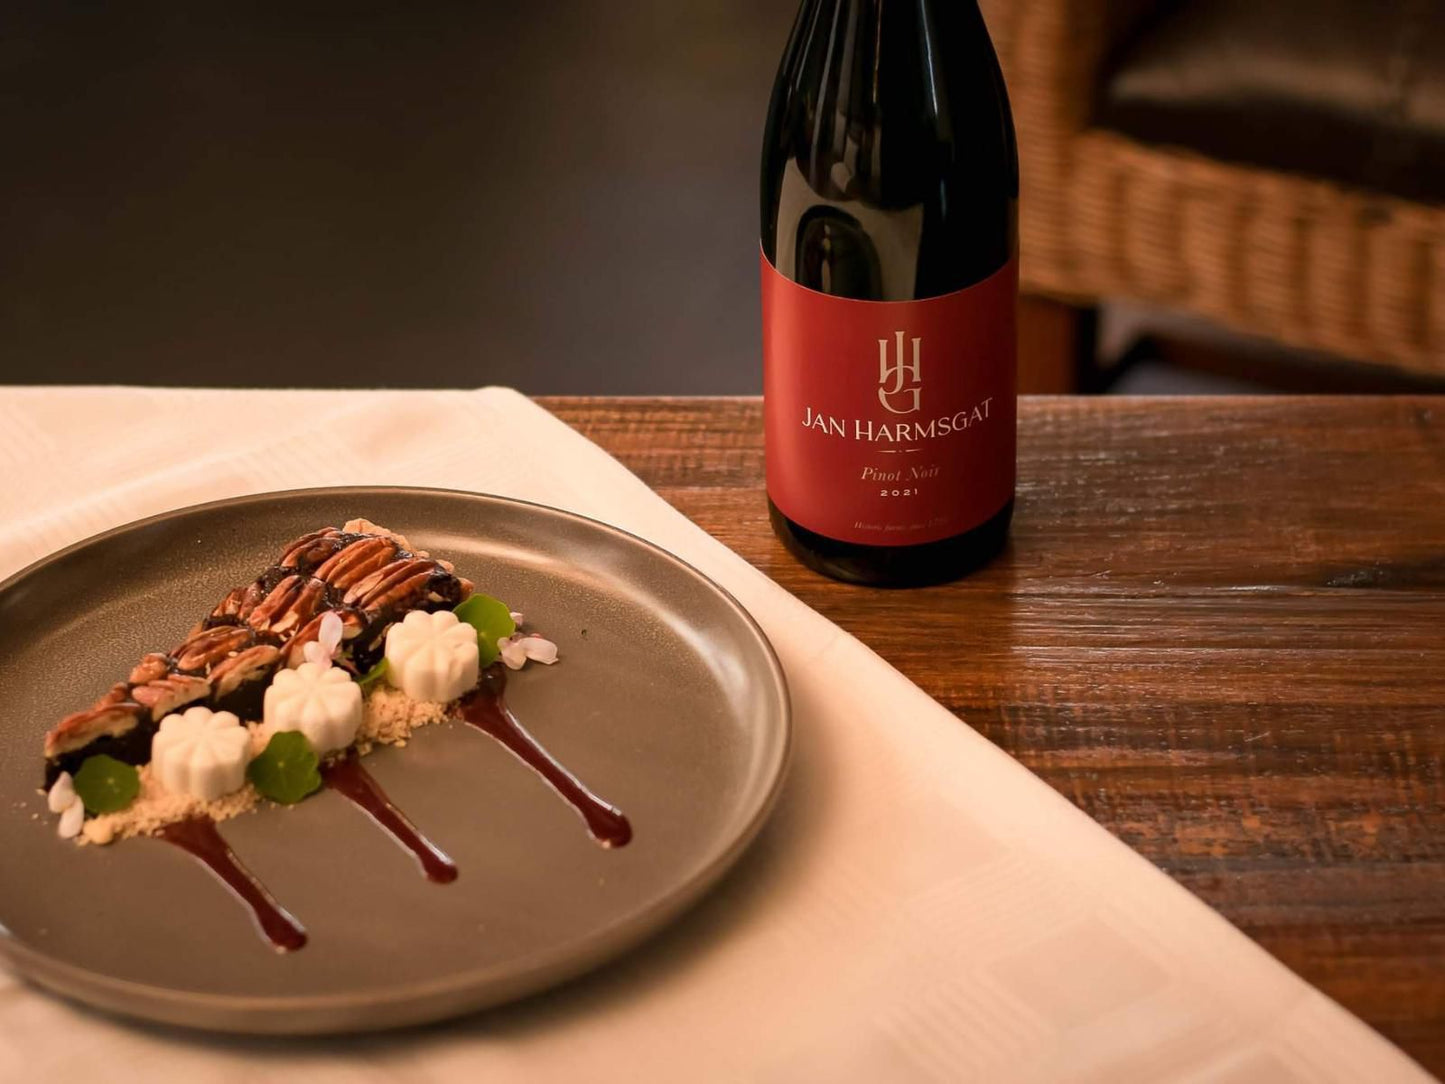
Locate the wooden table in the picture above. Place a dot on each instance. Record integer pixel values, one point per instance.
(1219, 629)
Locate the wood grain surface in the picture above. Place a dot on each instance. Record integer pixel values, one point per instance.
(1219, 629)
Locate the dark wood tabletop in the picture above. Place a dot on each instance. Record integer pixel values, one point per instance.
(1219, 628)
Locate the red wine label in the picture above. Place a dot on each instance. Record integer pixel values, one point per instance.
(890, 423)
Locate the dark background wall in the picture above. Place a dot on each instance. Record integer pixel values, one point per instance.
(558, 194)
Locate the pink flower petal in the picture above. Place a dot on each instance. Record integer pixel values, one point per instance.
(330, 634)
(540, 650)
(513, 653)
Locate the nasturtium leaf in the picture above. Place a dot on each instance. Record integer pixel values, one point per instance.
(373, 676)
(286, 771)
(492, 619)
(105, 784)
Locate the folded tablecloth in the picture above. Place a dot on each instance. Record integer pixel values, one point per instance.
(920, 908)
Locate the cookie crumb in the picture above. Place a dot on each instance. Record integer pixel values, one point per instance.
(155, 807)
(390, 716)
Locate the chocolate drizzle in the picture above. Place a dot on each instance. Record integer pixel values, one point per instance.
(486, 709)
(198, 836)
(347, 777)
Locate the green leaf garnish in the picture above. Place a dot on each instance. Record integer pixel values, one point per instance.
(492, 619)
(105, 784)
(285, 771)
(372, 676)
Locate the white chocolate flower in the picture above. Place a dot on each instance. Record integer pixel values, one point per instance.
(432, 656)
(318, 699)
(62, 799)
(201, 752)
(516, 650)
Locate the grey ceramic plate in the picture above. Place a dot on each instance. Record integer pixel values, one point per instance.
(669, 702)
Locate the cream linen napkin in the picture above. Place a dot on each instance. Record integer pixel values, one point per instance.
(920, 908)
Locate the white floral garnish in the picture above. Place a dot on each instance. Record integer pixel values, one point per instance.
(517, 650)
(517, 618)
(323, 649)
(62, 799)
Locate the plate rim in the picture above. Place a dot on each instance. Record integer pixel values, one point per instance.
(254, 1014)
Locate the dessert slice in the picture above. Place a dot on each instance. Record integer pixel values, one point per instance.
(369, 577)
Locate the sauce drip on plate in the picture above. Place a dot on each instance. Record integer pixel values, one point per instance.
(198, 836)
(486, 709)
(347, 777)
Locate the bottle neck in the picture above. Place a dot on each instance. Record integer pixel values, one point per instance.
(873, 78)
(889, 154)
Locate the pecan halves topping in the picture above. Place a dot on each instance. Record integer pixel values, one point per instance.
(387, 587)
(81, 728)
(230, 606)
(356, 562)
(275, 603)
(119, 694)
(210, 647)
(169, 693)
(153, 666)
(311, 550)
(408, 594)
(237, 606)
(291, 603)
(366, 527)
(249, 665)
(309, 601)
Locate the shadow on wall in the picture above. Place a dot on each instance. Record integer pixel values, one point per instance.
(559, 195)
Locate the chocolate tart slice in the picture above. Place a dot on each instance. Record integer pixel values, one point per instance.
(366, 575)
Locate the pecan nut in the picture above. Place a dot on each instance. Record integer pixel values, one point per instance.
(291, 603)
(208, 648)
(78, 730)
(310, 550)
(153, 666)
(237, 606)
(391, 587)
(166, 695)
(356, 562)
(252, 664)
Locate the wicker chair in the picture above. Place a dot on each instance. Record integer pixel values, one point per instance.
(1306, 263)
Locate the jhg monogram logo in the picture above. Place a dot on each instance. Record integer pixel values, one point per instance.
(906, 377)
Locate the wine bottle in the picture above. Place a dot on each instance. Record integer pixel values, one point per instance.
(890, 286)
